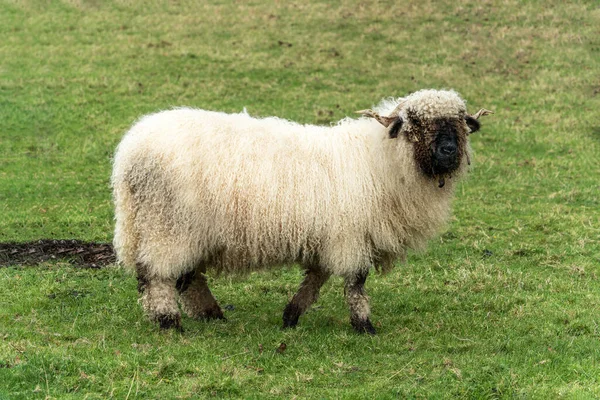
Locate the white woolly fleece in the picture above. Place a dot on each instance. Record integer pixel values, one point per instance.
(235, 193)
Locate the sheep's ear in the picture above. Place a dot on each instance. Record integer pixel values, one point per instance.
(472, 123)
(395, 128)
(472, 120)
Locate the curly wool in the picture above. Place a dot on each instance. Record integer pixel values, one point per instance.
(235, 193)
(426, 104)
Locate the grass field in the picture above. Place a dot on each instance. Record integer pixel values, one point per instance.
(505, 303)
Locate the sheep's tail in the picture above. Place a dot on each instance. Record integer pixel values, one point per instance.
(126, 237)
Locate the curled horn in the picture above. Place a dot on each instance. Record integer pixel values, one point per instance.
(482, 113)
(385, 121)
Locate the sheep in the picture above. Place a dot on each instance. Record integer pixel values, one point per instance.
(198, 191)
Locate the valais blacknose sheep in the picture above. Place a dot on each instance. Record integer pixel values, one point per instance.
(199, 190)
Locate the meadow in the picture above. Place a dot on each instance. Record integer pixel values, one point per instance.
(504, 304)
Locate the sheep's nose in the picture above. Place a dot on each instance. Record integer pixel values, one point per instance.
(448, 149)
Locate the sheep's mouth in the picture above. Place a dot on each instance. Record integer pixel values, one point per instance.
(444, 165)
(439, 167)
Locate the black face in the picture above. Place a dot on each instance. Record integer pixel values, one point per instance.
(444, 149)
(439, 145)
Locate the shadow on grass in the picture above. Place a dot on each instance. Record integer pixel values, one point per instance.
(76, 252)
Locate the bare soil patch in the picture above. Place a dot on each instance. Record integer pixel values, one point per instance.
(76, 252)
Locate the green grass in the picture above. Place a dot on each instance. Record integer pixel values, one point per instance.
(505, 304)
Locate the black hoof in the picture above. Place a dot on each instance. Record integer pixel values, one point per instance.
(213, 313)
(363, 326)
(169, 321)
(291, 314)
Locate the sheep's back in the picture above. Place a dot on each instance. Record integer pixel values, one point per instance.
(257, 191)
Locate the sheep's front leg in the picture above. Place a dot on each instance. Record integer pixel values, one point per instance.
(307, 294)
(159, 299)
(196, 299)
(359, 303)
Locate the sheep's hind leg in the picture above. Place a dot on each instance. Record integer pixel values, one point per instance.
(159, 299)
(196, 299)
(307, 294)
(359, 303)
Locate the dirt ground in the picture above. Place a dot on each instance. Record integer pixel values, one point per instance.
(76, 252)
